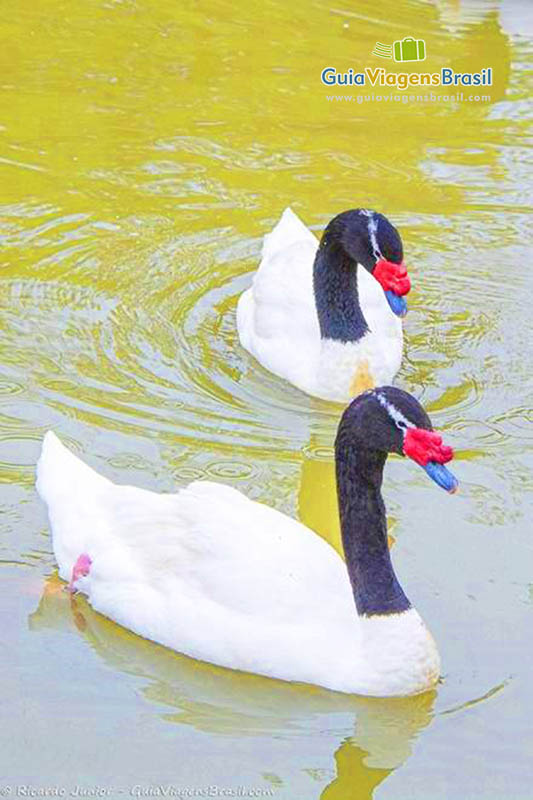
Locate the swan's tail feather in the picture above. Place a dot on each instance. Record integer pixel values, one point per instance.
(71, 491)
(289, 229)
(62, 476)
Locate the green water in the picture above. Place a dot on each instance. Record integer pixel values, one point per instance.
(146, 147)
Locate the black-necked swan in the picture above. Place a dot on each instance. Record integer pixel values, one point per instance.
(326, 316)
(230, 581)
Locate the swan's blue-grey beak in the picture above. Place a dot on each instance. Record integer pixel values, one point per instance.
(397, 303)
(442, 476)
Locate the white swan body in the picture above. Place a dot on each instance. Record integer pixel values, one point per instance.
(223, 579)
(278, 323)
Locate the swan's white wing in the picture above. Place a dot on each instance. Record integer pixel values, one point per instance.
(276, 317)
(204, 571)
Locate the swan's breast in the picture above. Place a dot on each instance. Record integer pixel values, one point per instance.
(347, 369)
(362, 378)
(400, 653)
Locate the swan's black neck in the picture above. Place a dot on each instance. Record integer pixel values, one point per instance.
(364, 529)
(336, 292)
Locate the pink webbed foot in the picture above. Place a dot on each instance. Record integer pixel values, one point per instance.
(80, 569)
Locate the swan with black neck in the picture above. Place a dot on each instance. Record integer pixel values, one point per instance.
(230, 581)
(326, 317)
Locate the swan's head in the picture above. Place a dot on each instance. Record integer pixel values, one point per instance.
(369, 239)
(389, 420)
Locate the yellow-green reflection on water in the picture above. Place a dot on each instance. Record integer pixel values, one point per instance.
(145, 148)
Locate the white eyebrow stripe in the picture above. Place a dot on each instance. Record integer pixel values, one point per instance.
(372, 232)
(394, 413)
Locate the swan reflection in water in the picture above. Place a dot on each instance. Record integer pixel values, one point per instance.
(365, 739)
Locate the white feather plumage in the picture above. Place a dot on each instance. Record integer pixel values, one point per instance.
(226, 580)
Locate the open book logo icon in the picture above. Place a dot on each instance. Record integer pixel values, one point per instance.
(407, 49)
